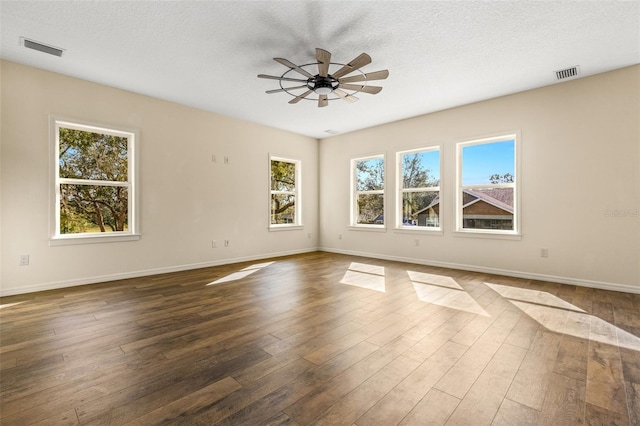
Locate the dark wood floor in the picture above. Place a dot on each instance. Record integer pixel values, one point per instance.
(321, 338)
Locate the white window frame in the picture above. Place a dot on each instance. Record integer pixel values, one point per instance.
(132, 232)
(353, 211)
(515, 233)
(400, 191)
(297, 193)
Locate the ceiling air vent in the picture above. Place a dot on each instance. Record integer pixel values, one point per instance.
(567, 73)
(41, 47)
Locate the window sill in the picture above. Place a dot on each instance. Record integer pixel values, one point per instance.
(368, 228)
(488, 235)
(278, 228)
(419, 230)
(92, 239)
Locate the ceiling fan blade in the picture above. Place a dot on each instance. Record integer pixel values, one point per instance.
(287, 88)
(281, 78)
(324, 59)
(360, 61)
(293, 66)
(361, 88)
(301, 97)
(376, 75)
(345, 96)
(322, 101)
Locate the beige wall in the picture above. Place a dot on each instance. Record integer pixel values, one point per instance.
(186, 200)
(580, 162)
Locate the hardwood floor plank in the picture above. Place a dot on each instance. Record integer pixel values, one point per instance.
(605, 378)
(524, 332)
(399, 402)
(433, 410)
(483, 400)
(602, 417)
(633, 402)
(258, 393)
(512, 413)
(464, 373)
(148, 393)
(564, 403)
(431, 343)
(572, 357)
(180, 408)
(530, 384)
(312, 405)
(349, 408)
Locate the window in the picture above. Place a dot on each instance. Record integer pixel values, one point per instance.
(367, 206)
(418, 199)
(94, 181)
(487, 190)
(285, 192)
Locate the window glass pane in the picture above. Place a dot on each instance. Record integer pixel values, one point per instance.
(95, 156)
(370, 209)
(488, 163)
(421, 209)
(421, 169)
(93, 209)
(370, 174)
(283, 176)
(489, 208)
(283, 208)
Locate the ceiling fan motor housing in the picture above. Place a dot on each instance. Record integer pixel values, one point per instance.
(323, 85)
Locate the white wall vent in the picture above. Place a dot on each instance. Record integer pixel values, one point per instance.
(567, 73)
(41, 47)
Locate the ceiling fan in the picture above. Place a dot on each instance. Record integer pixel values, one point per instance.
(325, 83)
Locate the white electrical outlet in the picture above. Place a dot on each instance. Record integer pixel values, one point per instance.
(24, 260)
(214, 244)
(544, 252)
(416, 243)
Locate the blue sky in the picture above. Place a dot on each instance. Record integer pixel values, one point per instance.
(481, 161)
(431, 161)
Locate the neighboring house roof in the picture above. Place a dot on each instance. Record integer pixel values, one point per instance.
(433, 203)
(501, 198)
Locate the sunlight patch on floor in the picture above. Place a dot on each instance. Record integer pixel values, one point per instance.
(448, 298)
(560, 316)
(439, 280)
(243, 273)
(366, 268)
(533, 296)
(258, 266)
(365, 276)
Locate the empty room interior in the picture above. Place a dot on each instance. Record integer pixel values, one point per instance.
(320, 212)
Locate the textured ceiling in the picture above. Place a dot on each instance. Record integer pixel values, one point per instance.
(206, 54)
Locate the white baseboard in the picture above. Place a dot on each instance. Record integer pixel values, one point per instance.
(473, 268)
(496, 271)
(143, 273)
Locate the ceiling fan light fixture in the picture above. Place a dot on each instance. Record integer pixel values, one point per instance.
(322, 85)
(323, 90)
